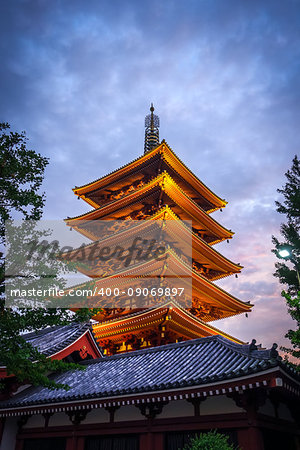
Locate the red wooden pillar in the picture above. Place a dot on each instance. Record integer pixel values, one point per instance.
(71, 443)
(152, 441)
(19, 444)
(158, 439)
(80, 443)
(250, 439)
(2, 423)
(144, 442)
(75, 443)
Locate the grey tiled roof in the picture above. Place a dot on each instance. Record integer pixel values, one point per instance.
(54, 339)
(183, 364)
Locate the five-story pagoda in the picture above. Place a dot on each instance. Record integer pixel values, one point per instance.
(157, 200)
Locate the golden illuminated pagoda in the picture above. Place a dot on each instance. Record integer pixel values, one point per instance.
(155, 190)
(150, 260)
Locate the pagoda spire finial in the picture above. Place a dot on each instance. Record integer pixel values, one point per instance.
(151, 130)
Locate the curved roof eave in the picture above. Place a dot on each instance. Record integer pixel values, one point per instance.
(106, 179)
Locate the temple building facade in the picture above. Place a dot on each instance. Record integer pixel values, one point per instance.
(157, 369)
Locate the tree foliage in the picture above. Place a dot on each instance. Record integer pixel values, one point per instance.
(293, 304)
(209, 441)
(290, 230)
(288, 273)
(21, 176)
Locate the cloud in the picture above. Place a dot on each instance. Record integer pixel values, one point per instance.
(224, 77)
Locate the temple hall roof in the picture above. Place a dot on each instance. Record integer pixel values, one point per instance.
(175, 366)
(52, 340)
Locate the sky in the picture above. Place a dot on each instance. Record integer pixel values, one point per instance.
(224, 78)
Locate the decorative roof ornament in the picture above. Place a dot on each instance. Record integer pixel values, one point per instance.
(274, 353)
(252, 346)
(151, 130)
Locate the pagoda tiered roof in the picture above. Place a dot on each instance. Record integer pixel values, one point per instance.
(155, 324)
(146, 200)
(155, 188)
(206, 259)
(197, 288)
(144, 168)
